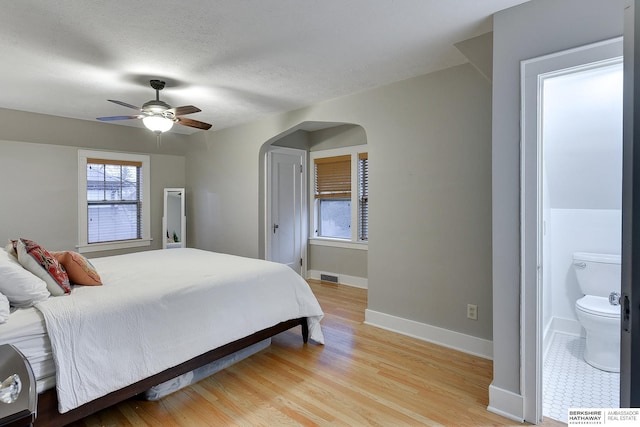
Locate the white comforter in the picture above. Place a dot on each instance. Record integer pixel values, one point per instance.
(157, 309)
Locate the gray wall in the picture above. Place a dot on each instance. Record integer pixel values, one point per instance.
(298, 140)
(325, 259)
(39, 160)
(337, 137)
(32, 127)
(429, 142)
(530, 30)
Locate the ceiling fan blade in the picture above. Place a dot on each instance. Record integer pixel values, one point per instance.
(185, 109)
(193, 123)
(112, 118)
(124, 104)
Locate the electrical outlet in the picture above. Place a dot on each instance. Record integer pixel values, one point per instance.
(472, 311)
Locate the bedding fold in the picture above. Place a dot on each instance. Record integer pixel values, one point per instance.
(157, 309)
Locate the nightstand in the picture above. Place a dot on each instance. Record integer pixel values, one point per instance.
(21, 412)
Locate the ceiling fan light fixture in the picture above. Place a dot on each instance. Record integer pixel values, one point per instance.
(158, 124)
(158, 116)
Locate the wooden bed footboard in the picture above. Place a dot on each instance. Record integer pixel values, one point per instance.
(48, 415)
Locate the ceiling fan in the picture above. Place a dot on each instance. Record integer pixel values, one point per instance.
(159, 116)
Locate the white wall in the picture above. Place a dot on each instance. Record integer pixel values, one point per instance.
(577, 230)
(533, 29)
(582, 150)
(582, 133)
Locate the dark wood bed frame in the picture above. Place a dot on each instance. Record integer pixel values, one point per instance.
(48, 415)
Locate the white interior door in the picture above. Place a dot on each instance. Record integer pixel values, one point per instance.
(285, 203)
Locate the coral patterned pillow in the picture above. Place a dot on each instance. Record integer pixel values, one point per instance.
(79, 269)
(40, 262)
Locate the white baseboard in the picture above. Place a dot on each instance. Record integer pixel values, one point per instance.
(506, 403)
(567, 326)
(562, 326)
(343, 279)
(444, 337)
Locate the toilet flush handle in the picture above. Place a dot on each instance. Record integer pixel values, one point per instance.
(614, 298)
(580, 265)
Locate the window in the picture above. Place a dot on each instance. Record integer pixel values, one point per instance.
(333, 195)
(113, 194)
(114, 200)
(341, 195)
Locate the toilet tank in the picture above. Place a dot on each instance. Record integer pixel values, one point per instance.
(598, 274)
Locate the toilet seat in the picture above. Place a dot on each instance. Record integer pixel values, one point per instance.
(598, 306)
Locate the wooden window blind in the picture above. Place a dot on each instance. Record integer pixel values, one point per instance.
(363, 196)
(333, 177)
(114, 162)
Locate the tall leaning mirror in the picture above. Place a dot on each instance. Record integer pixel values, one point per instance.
(174, 220)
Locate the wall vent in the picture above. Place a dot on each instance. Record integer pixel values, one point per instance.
(328, 278)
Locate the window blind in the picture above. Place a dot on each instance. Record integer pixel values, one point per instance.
(114, 200)
(363, 196)
(115, 162)
(333, 177)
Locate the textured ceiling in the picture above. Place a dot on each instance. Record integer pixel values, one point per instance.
(237, 60)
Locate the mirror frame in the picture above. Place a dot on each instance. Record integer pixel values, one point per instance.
(166, 243)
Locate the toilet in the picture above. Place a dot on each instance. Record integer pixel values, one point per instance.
(599, 275)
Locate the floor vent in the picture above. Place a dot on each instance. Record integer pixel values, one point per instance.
(329, 278)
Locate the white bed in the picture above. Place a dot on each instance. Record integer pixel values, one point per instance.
(28, 333)
(155, 310)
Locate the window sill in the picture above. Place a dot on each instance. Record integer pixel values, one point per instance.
(108, 246)
(336, 243)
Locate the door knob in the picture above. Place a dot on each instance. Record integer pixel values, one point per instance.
(614, 298)
(275, 227)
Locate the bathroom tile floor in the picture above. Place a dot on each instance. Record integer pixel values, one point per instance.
(570, 382)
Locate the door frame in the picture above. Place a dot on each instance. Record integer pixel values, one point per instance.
(304, 215)
(533, 71)
(630, 344)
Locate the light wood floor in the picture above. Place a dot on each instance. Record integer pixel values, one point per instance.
(362, 376)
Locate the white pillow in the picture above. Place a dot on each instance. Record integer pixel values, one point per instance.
(4, 309)
(21, 287)
(40, 262)
(11, 250)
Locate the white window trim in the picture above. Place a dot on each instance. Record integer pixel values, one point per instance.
(83, 245)
(354, 242)
(338, 243)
